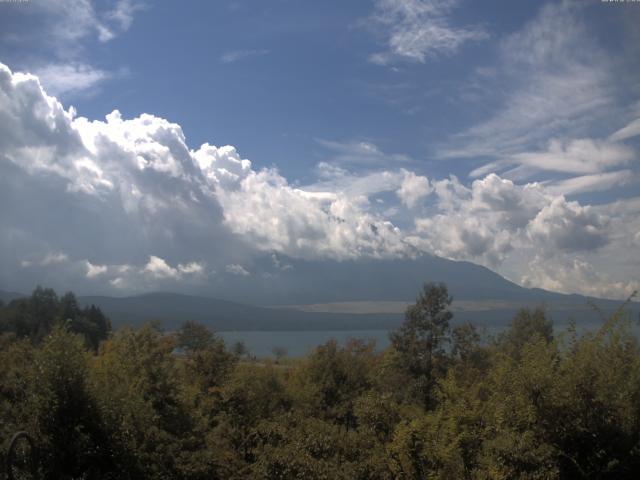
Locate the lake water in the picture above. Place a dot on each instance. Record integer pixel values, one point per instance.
(300, 343)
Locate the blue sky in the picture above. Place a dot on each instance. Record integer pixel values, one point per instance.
(504, 133)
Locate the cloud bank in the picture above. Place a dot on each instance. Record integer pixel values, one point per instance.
(127, 205)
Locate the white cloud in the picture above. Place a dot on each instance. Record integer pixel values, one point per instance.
(123, 13)
(576, 156)
(158, 268)
(59, 79)
(483, 223)
(66, 22)
(274, 216)
(155, 272)
(57, 33)
(416, 30)
(462, 237)
(575, 275)
(495, 219)
(413, 189)
(236, 269)
(51, 258)
(597, 182)
(568, 226)
(192, 268)
(357, 185)
(95, 270)
(361, 153)
(133, 187)
(629, 131)
(558, 83)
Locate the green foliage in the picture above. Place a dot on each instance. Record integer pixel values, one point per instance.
(35, 316)
(331, 379)
(421, 340)
(138, 387)
(146, 404)
(526, 326)
(63, 414)
(194, 337)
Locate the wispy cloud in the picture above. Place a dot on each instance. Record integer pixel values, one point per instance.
(361, 153)
(598, 182)
(415, 30)
(236, 269)
(237, 55)
(60, 31)
(629, 131)
(560, 103)
(62, 79)
(576, 156)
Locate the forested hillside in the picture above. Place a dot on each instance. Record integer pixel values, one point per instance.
(440, 402)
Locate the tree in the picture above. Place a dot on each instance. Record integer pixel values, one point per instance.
(527, 326)
(465, 341)
(35, 316)
(279, 353)
(240, 349)
(72, 441)
(332, 378)
(421, 338)
(194, 337)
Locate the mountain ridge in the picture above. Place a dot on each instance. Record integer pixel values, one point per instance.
(360, 294)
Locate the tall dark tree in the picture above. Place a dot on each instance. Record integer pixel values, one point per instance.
(193, 337)
(527, 326)
(41, 310)
(421, 339)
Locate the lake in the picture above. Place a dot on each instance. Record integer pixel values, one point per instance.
(299, 343)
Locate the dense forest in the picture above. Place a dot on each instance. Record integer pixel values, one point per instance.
(441, 402)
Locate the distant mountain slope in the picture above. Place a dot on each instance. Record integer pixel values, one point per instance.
(326, 281)
(347, 295)
(6, 297)
(173, 309)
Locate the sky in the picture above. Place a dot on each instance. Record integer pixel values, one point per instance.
(164, 145)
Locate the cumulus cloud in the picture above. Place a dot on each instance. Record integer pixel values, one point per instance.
(126, 204)
(416, 30)
(575, 275)
(568, 226)
(495, 216)
(113, 191)
(462, 237)
(483, 223)
(158, 268)
(278, 217)
(413, 189)
(95, 270)
(133, 187)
